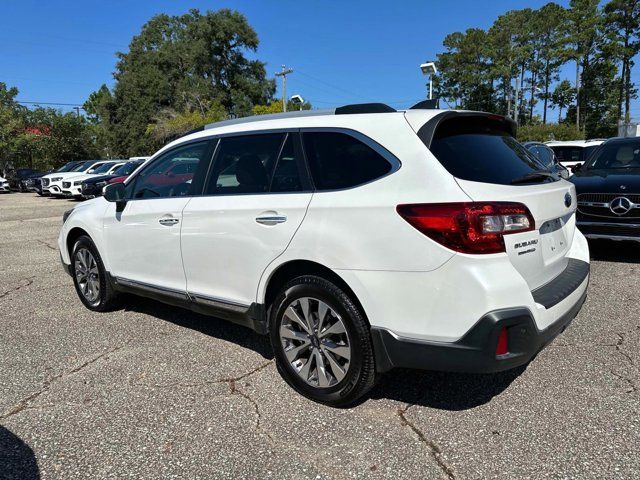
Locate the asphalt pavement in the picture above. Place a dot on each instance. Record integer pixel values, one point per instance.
(153, 391)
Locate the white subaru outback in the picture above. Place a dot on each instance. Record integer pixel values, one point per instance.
(359, 239)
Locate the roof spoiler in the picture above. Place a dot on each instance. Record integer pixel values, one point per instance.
(430, 104)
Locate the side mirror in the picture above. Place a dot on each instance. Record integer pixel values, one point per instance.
(576, 167)
(114, 192)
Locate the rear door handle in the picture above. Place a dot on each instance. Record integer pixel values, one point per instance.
(271, 219)
(168, 221)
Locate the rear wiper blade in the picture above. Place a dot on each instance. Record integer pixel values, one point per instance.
(532, 177)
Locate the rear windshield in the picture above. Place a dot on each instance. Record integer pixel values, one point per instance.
(569, 154)
(482, 150)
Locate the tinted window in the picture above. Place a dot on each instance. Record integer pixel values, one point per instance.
(287, 176)
(103, 168)
(127, 168)
(544, 154)
(619, 155)
(171, 174)
(569, 154)
(338, 160)
(473, 149)
(588, 151)
(244, 164)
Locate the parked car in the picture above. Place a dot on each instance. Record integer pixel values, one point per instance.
(547, 157)
(359, 239)
(4, 185)
(572, 152)
(608, 187)
(72, 185)
(55, 183)
(92, 187)
(46, 179)
(16, 177)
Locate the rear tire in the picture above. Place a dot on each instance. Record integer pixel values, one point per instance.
(321, 341)
(90, 277)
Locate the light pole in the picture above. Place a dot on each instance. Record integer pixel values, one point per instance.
(283, 73)
(429, 68)
(297, 100)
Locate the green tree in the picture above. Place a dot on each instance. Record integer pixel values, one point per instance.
(10, 122)
(563, 96)
(181, 64)
(622, 30)
(169, 124)
(276, 107)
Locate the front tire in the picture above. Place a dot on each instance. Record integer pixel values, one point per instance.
(321, 342)
(90, 277)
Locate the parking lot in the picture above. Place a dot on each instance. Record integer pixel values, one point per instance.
(158, 392)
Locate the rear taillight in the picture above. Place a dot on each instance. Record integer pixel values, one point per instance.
(470, 227)
(502, 348)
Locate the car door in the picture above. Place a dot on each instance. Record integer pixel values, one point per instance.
(143, 241)
(256, 196)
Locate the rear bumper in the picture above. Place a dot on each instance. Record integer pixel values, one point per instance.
(475, 352)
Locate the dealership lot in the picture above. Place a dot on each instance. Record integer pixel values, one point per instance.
(155, 391)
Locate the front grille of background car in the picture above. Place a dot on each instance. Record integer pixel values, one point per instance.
(66, 184)
(605, 211)
(45, 182)
(610, 231)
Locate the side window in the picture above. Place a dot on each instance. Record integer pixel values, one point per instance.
(338, 160)
(171, 174)
(287, 177)
(244, 164)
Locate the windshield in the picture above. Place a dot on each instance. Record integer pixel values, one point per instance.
(127, 168)
(67, 167)
(473, 148)
(616, 156)
(569, 154)
(104, 167)
(80, 167)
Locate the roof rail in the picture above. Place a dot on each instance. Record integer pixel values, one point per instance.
(426, 105)
(364, 108)
(344, 110)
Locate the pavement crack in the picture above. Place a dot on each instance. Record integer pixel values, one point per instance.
(618, 345)
(41, 242)
(632, 386)
(25, 282)
(235, 390)
(25, 403)
(434, 448)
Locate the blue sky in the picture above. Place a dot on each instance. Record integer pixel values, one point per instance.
(342, 52)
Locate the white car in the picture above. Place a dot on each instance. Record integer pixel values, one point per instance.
(359, 239)
(4, 185)
(54, 180)
(572, 152)
(72, 184)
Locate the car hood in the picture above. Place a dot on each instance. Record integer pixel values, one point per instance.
(63, 175)
(100, 178)
(79, 176)
(2, 179)
(607, 181)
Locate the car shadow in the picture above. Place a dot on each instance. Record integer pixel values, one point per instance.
(444, 390)
(211, 326)
(614, 251)
(441, 390)
(17, 460)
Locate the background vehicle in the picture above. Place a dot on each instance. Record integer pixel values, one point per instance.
(55, 180)
(572, 152)
(92, 187)
(547, 156)
(72, 185)
(4, 185)
(359, 239)
(16, 177)
(608, 187)
(46, 179)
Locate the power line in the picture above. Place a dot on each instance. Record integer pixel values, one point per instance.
(334, 86)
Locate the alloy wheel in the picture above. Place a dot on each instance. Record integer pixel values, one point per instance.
(87, 275)
(315, 342)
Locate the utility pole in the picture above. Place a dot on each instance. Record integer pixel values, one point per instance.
(283, 73)
(516, 103)
(577, 94)
(77, 109)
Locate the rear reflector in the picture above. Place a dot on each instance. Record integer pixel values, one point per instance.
(503, 343)
(469, 227)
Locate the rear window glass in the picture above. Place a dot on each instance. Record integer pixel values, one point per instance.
(569, 154)
(477, 149)
(338, 160)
